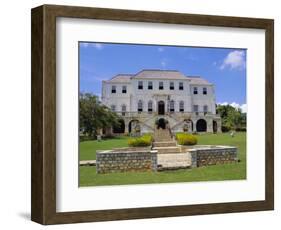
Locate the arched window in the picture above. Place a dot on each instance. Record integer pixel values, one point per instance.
(140, 106)
(172, 86)
(181, 86)
(113, 108)
(204, 91)
(123, 108)
(172, 106)
(149, 107)
(181, 106)
(195, 90)
(124, 89)
(113, 89)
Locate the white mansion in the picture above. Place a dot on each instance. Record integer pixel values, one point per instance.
(162, 97)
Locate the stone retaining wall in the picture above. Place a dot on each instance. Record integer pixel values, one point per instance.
(126, 161)
(213, 156)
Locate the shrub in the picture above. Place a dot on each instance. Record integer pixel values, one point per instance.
(142, 141)
(241, 129)
(186, 139)
(86, 138)
(225, 128)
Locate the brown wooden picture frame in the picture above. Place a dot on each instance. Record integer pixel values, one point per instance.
(43, 188)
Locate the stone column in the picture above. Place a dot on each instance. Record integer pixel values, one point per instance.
(194, 125)
(126, 131)
(209, 125)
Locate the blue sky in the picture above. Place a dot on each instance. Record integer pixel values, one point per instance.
(224, 67)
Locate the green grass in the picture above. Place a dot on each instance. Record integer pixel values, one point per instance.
(88, 148)
(235, 171)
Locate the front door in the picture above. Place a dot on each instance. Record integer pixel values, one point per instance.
(161, 108)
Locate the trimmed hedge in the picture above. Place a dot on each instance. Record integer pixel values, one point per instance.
(145, 140)
(186, 139)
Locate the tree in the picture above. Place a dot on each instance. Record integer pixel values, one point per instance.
(232, 118)
(93, 115)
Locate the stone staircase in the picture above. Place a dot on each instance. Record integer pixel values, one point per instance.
(161, 135)
(169, 154)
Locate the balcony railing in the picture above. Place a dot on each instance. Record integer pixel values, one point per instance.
(153, 113)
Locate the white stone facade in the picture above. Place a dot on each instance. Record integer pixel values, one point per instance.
(186, 103)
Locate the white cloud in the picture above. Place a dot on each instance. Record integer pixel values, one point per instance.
(160, 49)
(84, 44)
(90, 44)
(243, 107)
(163, 64)
(234, 60)
(98, 46)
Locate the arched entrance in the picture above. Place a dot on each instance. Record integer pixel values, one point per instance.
(132, 124)
(120, 128)
(215, 126)
(161, 107)
(201, 125)
(162, 123)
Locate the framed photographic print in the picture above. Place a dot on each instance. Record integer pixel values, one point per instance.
(140, 114)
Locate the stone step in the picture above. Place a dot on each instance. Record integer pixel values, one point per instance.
(164, 144)
(165, 150)
(161, 135)
(87, 163)
(173, 161)
(163, 139)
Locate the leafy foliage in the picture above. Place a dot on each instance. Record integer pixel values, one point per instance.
(186, 139)
(93, 115)
(232, 118)
(145, 140)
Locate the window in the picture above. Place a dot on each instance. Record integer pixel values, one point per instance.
(161, 85)
(123, 110)
(124, 89)
(195, 90)
(172, 87)
(113, 89)
(113, 107)
(205, 108)
(150, 85)
(181, 86)
(149, 107)
(172, 106)
(195, 109)
(140, 85)
(181, 106)
(140, 106)
(205, 91)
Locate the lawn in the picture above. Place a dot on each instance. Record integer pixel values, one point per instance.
(235, 171)
(88, 148)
